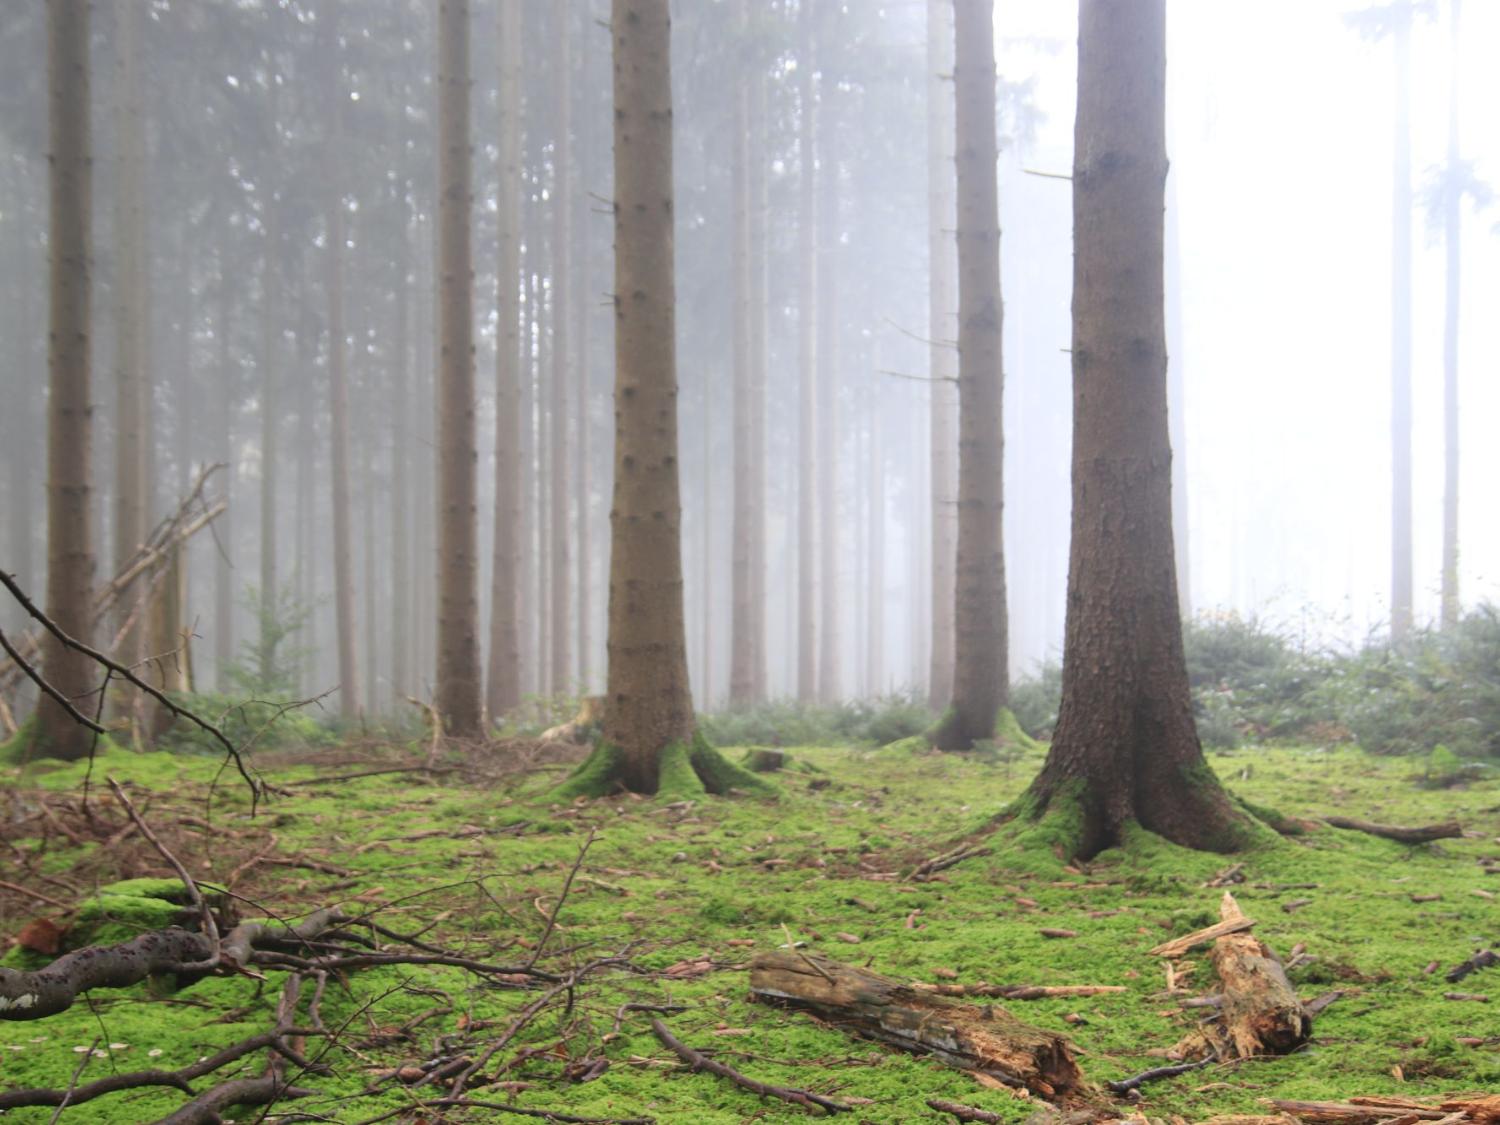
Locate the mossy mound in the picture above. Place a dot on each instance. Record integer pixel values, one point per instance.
(684, 772)
(128, 908)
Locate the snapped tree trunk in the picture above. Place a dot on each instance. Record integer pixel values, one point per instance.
(981, 676)
(1125, 747)
(70, 548)
(458, 691)
(987, 1040)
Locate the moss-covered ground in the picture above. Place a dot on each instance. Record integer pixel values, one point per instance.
(691, 890)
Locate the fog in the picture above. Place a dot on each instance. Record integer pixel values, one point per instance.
(1280, 139)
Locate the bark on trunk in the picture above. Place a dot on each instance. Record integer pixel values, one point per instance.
(1452, 246)
(650, 707)
(560, 574)
(269, 457)
(503, 688)
(224, 556)
(130, 284)
(807, 420)
(1125, 747)
(747, 616)
(458, 691)
(942, 329)
(70, 552)
(830, 673)
(985, 1039)
(981, 678)
(401, 677)
(1401, 207)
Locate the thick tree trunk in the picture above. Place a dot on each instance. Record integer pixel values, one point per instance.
(1452, 247)
(807, 417)
(581, 299)
(985, 1039)
(756, 420)
(70, 552)
(942, 352)
(1401, 207)
(981, 681)
(1125, 748)
(527, 578)
(560, 526)
(503, 687)
(459, 680)
(1177, 404)
(650, 707)
(20, 416)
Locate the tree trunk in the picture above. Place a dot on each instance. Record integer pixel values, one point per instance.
(741, 582)
(270, 328)
(1401, 206)
(224, 556)
(560, 574)
(875, 674)
(583, 390)
(350, 704)
(70, 551)
(401, 554)
(458, 692)
(650, 710)
(1125, 748)
(503, 688)
(529, 562)
(1452, 246)
(807, 419)
(942, 352)
(830, 676)
(20, 416)
(981, 681)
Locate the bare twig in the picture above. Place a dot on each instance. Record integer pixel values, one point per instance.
(73, 1082)
(963, 1112)
(1125, 1085)
(562, 897)
(29, 893)
(698, 1061)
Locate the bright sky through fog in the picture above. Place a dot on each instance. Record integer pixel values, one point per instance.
(1281, 123)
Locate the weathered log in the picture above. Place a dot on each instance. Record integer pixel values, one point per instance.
(1365, 1111)
(45, 992)
(983, 1039)
(1448, 830)
(1259, 1012)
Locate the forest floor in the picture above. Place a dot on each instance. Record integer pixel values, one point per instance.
(477, 860)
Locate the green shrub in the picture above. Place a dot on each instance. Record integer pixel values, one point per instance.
(785, 722)
(261, 724)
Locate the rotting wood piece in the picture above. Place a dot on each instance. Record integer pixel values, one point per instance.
(983, 1039)
(1448, 830)
(1260, 1013)
(1178, 946)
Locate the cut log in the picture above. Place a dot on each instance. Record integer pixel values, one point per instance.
(982, 1039)
(1260, 1014)
(1448, 830)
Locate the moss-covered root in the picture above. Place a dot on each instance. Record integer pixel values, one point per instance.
(946, 733)
(684, 771)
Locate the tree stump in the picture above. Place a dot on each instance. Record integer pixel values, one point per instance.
(985, 1039)
(764, 760)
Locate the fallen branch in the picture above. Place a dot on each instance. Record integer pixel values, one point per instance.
(204, 1109)
(1481, 960)
(698, 1061)
(1178, 946)
(1136, 1081)
(925, 870)
(1020, 991)
(506, 1107)
(29, 893)
(1448, 830)
(965, 1112)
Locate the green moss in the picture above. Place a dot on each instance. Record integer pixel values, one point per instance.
(1008, 733)
(717, 774)
(697, 879)
(596, 776)
(905, 747)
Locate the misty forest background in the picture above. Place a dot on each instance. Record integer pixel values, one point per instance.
(231, 139)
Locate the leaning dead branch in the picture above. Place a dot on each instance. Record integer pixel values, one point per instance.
(1448, 830)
